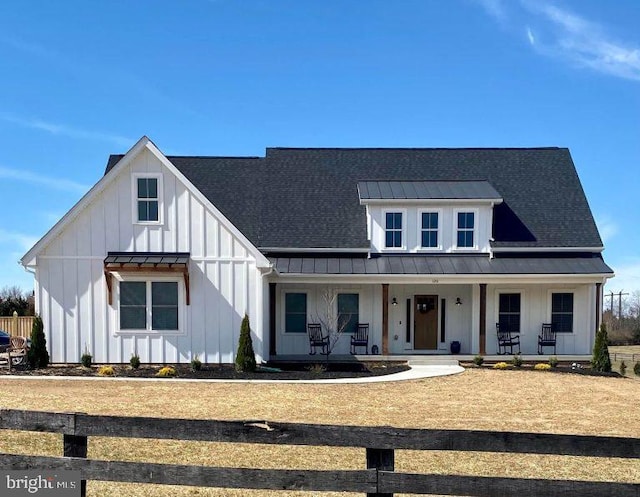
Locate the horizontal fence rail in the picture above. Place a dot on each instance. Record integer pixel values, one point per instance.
(379, 479)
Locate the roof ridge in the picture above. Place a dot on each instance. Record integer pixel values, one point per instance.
(215, 156)
(418, 148)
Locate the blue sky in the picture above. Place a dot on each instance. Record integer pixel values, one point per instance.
(80, 80)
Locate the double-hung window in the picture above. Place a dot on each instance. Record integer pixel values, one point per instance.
(509, 312)
(295, 312)
(393, 230)
(562, 312)
(147, 190)
(429, 230)
(348, 312)
(465, 230)
(149, 306)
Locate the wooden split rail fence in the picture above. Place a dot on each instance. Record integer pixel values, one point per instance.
(379, 479)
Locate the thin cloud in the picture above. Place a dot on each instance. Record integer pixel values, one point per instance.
(495, 8)
(607, 227)
(530, 36)
(39, 179)
(627, 278)
(64, 130)
(565, 35)
(584, 42)
(24, 240)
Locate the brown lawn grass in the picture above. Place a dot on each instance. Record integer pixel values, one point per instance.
(478, 399)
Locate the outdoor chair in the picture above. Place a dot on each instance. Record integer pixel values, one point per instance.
(16, 353)
(507, 340)
(360, 338)
(547, 338)
(317, 339)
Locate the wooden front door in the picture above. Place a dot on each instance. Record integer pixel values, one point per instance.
(425, 325)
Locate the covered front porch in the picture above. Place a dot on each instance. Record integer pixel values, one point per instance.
(442, 317)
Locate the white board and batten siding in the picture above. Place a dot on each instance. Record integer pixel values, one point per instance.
(72, 292)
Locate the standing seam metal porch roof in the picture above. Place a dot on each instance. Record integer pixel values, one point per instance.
(440, 265)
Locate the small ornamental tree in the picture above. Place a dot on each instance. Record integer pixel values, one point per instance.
(38, 356)
(245, 358)
(601, 361)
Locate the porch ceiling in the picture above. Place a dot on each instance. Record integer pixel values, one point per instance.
(441, 265)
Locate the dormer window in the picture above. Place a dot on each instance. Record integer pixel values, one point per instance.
(393, 230)
(147, 192)
(429, 230)
(466, 228)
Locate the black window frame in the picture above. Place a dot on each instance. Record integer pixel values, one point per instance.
(393, 234)
(562, 311)
(464, 230)
(510, 308)
(298, 313)
(146, 199)
(354, 317)
(429, 230)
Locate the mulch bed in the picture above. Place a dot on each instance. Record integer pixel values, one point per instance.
(562, 367)
(288, 371)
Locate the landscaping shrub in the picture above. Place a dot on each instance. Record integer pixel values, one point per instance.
(317, 368)
(516, 361)
(245, 358)
(86, 358)
(196, 364)
(601, 361)
(500, 365)
(636, 369)
(623, 368)
(106, 371)
(134, 361)
(38, 356)
(166, 372)
(553, 361)
(478, 360)
(541, 366)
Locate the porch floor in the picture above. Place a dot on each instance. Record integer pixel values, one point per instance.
(422, 359)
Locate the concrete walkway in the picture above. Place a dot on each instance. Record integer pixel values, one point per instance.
(416, 372)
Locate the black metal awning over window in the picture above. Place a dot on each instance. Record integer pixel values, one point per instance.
(146, 262)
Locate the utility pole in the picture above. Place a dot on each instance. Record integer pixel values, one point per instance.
(620, 303)
(611, 306)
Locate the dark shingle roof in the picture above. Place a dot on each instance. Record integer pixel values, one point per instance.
(308, 198)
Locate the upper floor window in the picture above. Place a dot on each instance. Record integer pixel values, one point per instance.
(429, 230)
(466, 228)
(562, 312)
(147, 190)
(393, 230)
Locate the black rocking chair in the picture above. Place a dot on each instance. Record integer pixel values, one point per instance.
(507, 340)
(360, 338)
(317, 339)
(547, 338)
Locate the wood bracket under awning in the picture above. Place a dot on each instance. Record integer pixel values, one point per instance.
(146, 262)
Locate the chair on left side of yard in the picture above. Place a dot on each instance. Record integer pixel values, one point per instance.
(16, 353)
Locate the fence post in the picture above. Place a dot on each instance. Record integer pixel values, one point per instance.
(76, 446)
(14, 324)
(382, 460)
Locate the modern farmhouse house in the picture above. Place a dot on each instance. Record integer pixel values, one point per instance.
(165, 255)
